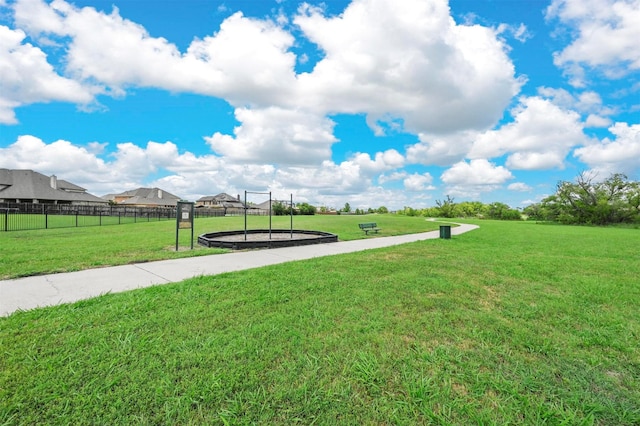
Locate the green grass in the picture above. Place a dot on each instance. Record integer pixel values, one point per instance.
(42, 251)
(514, 323)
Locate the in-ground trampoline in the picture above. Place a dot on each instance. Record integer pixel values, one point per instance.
(265, 238)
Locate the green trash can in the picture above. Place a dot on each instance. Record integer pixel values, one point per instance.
(445, 232)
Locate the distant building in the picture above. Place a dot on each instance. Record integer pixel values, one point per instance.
(27, 186)
(220, 201)
(143, 197)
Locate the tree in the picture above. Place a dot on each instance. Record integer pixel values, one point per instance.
(306, 209)
(383, 209)
(587, 201)
(347, 208)
(471, 209)
(447, 207)
(502, 211)
(278, 209)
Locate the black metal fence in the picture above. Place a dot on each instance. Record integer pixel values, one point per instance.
(27, 216)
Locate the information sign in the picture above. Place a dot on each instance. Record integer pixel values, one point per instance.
(184, 219)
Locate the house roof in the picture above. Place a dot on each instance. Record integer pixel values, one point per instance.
(220, 197)
(146, 196)
(223, 199)
(27, 184)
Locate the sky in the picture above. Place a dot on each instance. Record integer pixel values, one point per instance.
(367, 102)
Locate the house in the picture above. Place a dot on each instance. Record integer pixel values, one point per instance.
(266, 206)
(143, 197)
(27, 186)
(220, 201)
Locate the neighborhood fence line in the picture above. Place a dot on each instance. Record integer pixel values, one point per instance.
(29, 216)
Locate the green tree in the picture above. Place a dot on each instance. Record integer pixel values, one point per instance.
(471, 209)
(588, 201)
(278, 209)
(347, 208)
(447, 207)
(502, 211)
(306, 209)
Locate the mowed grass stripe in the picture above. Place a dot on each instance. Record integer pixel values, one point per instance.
(514, 323)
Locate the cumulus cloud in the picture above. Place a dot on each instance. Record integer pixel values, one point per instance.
(390, 159)
(276, 135)
(540, 136)
(329, 179)
(407, 60)
(587, 102)
(519, 186)
(620, 155)
(469, 179)
(418, 182)
(28, 78)
(61, 157)
(408, 63)
(607, 34)
(441, 150)
(246, 61)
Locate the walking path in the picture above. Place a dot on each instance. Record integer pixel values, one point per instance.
(53, 289)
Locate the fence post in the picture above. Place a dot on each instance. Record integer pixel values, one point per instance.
(76, 218)
(6, 221)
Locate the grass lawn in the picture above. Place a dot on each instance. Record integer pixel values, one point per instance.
(42, 251)
(513, 323)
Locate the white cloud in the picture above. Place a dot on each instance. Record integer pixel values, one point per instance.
(246, 62)
(390, 159)
(584, 102)
(276, 135)
(620, 155)
(407, 60)
(607, 36)
(519, 186)
(441, 150)
(395, 176)
(418, 182)
(329, 179)
(405, 64)
(62, 158)
(540, 137)
(28, 78)
(594, 120)
(472, 178)
(476, 172)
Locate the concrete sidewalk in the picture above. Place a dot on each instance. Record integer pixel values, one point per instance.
(53, 289)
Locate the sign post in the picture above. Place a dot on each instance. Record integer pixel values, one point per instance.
(184, 218)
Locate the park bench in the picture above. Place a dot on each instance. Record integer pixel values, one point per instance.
(366, 227)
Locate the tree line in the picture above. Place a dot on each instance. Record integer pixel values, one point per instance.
(448, 208)
(588, 201)
(615, 200)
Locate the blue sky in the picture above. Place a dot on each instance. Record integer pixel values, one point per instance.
(370, 102)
